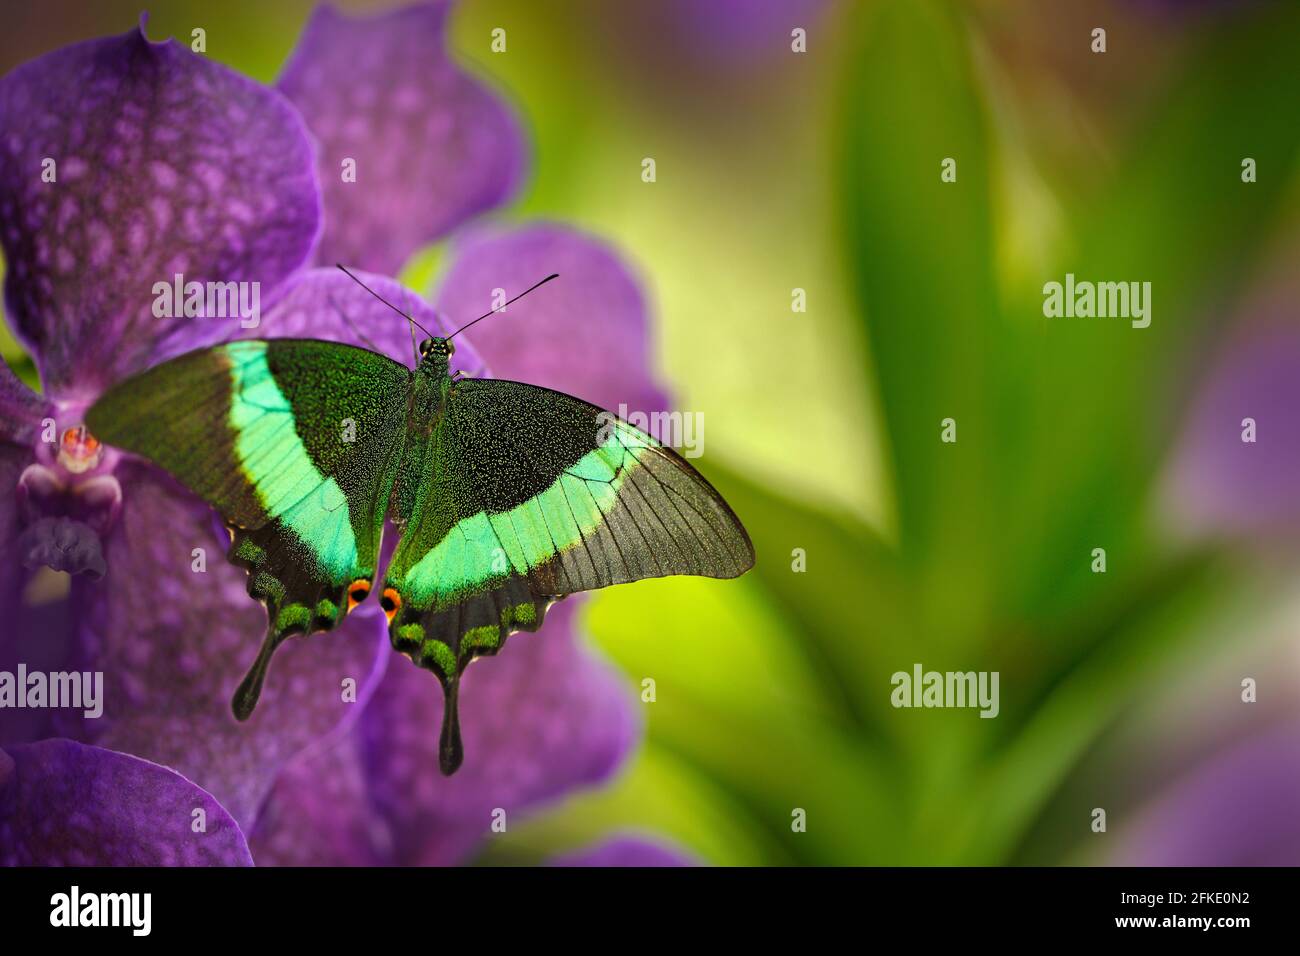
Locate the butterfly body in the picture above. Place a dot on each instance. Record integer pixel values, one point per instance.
(507, 496)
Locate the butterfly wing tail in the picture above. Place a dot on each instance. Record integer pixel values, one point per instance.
(297, 599)
(446, 640)
(250, 688)
(451, 752)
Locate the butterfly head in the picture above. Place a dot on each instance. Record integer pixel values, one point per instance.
(436, 349)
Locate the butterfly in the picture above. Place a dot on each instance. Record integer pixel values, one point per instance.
(507, 496)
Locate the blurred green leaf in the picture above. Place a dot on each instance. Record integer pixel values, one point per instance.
(920, 255)
(1061, 424)
(658, 797)
(735, 698)
(1096, 399)
(844, 608)
(1136, 650)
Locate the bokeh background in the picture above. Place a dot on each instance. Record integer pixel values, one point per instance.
(820, 171)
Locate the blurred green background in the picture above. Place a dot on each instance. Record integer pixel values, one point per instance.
(821, 171)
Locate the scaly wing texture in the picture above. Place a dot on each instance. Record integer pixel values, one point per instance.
(296, 443)
(522, 495)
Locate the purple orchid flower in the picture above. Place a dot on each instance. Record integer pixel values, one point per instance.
(1237, 809)
(1238, 466)
(165, 163)
(68, 804)
(430, 145)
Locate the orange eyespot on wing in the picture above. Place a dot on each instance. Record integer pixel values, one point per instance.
(357, 592)
(391, 602)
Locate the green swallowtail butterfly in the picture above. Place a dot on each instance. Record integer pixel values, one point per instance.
(508, 496)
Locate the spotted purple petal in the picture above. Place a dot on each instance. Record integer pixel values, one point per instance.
(1223, 483)
(17, 641)
(626, 851)
(13, 461)
(1239, 809)
(36, 623)
(318, 814)
(538, 720)
(21, 409)
(174, 642)
(411, 145)
(21, 412)
(122, 164)
(584, 333)
(67, 804)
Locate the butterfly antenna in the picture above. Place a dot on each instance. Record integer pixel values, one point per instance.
(353, 326)
(414, 324)
(535, 285)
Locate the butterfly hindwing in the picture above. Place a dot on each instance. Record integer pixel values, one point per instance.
(296, 443)
(523, 495)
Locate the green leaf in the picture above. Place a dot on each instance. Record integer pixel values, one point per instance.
(736, 698)
(657, 797)
(1197, 599)
(1098, 400)
(920, 253)
(844, 607)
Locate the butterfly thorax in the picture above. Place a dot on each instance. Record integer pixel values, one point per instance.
(435, 366)
(430, 386)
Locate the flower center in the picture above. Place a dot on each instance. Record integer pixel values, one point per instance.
(79, 450)
(69, 499)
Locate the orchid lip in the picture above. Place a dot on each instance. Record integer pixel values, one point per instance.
(69, 501)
